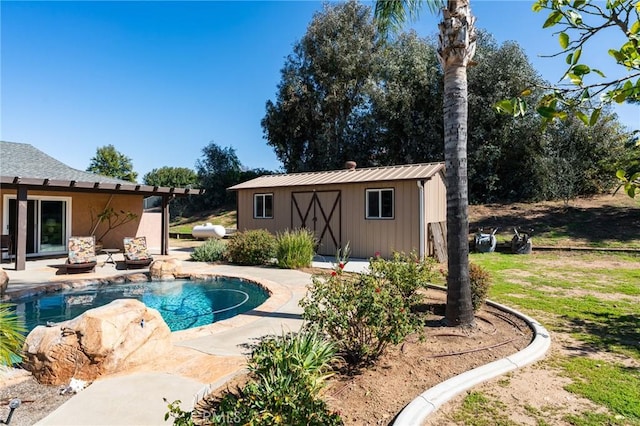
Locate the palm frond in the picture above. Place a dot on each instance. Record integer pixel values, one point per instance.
(11, 335)
(392, 14)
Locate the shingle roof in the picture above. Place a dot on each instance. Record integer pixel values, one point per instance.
(373, 174)
(24, 165)
(26, 161)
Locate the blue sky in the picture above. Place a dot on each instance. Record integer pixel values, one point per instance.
(160, 80)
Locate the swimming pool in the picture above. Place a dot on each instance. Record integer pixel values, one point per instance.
(182, 303)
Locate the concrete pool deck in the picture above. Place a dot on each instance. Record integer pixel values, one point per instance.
(202, 357)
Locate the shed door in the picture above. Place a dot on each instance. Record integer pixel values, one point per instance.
(320, 212)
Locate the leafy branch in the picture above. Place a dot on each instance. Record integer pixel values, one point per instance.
(112, 218)
(583, 20)
(579, 21)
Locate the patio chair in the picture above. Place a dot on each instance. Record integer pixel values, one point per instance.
(136, 253)
(82, 255)
(6, 245)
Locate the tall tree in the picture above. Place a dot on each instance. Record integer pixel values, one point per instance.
(456, 50)
(109, 162)
(325, 89)
(501, 155)
(218, 169)
(578, 24)
(178, 177)
(410, 89)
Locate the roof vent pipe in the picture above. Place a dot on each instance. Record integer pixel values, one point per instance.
(350, 165)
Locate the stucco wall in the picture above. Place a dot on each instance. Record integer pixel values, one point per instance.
(151, 227)
(84, 210)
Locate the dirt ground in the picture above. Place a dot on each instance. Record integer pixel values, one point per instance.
(375, 396)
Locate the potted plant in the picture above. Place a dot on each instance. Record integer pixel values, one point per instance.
(112, 218)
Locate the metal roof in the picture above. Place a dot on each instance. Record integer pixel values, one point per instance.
(372, 174)
(22, 164)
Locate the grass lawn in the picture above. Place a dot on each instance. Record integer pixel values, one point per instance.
(226, 218)
(592, 297)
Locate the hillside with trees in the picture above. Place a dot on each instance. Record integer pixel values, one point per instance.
(346, 95)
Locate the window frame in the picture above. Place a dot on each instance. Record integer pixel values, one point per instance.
(264, 196)
(379, 191)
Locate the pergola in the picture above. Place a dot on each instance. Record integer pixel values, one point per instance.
(24, 185)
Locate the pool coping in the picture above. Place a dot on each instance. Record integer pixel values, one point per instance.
(278, 296)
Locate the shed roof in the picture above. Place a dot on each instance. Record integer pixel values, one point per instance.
(372, 174)
(23, 164)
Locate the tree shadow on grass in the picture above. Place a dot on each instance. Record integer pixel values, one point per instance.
(607, 331)
(594, 224)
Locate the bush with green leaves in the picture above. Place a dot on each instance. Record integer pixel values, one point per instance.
(408, 273)
(295, 249)
(480, 282)
(212, 250)
(361, 313)
(253, 247)
(11, 335)
(287, 375)
(179, 416)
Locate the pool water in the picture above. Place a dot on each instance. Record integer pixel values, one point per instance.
(182, 303)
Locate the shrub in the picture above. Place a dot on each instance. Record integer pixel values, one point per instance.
(254, 247)
(407, 273)
(361, 313)
(295, 249)
(11, 335)
(480, 282)
(287, 373)
(212, 250)
(180, 417)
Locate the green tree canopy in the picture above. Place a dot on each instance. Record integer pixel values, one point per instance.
(327, 82)
(395, 119)
(584, 90)
(176, 177)
(109, 162)
(218, 169)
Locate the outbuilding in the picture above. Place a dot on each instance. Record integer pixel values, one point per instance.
(376, 210)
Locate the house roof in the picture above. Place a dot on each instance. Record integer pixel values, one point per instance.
(23, 164)
(372, 174)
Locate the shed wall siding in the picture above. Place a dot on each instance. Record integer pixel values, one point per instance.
(435, 199)
(366, 236)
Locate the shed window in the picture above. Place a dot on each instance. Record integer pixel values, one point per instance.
(263, 206)
(379, 203)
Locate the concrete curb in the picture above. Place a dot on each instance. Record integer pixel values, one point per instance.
(416, 412)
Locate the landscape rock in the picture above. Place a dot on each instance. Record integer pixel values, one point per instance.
(4, 282)
(137, 278)
(165, 269)
(101, 341)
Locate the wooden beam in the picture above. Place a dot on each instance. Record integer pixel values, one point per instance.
(164, 239)
(21, 229)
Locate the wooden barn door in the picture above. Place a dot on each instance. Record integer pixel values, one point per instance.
(320, 212)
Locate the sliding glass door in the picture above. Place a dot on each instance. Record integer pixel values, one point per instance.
(48, 222)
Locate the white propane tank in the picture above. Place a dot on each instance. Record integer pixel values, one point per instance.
(208, 231)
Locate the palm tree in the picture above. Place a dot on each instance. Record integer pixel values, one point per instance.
(11, 336)
(456, 50)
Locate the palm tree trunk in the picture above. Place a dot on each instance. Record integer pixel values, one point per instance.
(457, 47)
